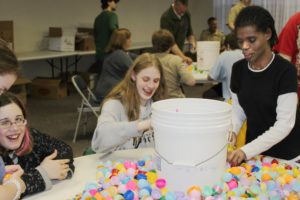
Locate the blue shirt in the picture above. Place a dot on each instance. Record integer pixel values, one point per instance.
(221, 70)
(2, 170)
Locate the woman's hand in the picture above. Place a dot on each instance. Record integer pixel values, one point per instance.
(235, 157)
(56, 169)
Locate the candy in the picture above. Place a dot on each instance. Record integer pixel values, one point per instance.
(266, 177)
(142, 183)
(141, 163)
(235, 170)
(151, 177)
(128, 195)
(232, 184)
(156, 193)
(194, 192)
(260, 178)
(171, 196)
(227, 177)
(144, 193)
(160, 183)
(131, 185)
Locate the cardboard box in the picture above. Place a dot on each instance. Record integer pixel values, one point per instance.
(89, 31)
(84, 40)
(55, 32)
(61, 39)
(19, 88)
(64, 43)
(48, 88)
(84, 43)
(7, 33)
(59, 31)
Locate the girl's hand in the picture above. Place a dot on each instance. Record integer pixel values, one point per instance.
(56, 169)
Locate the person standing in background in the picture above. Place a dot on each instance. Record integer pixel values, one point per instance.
(288, 45)
(104, 25)
(175, 70)
(177, 19)
(234, 11)
(213, 33)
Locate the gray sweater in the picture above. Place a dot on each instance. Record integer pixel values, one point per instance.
(115, 132)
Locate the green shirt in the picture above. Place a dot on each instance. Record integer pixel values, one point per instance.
(180, 27)
(105, 23)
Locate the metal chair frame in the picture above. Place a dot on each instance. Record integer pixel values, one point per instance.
(87, 95)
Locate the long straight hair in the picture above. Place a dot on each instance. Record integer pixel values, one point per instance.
(126, 90)
(26, 145)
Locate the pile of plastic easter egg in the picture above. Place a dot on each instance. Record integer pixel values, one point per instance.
(260, 178)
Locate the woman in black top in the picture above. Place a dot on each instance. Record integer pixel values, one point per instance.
(264, 87)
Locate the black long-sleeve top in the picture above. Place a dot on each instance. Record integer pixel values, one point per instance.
(43, 146)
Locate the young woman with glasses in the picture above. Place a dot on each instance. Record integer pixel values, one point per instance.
(42, 158)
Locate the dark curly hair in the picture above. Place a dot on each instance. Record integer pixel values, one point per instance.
(258, 17)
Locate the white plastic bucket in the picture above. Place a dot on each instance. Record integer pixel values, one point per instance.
(189, 145)
(191, 137)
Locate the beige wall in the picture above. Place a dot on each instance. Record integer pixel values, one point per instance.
(201, 10)
(32, 19)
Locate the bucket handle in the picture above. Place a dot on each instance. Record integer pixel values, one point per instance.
(230, 135)
(200, 163)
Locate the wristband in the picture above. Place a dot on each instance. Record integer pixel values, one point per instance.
(18, 186)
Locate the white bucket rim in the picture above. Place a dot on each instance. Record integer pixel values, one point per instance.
(198, 119)
(156, 107)
(192, 127)
(193, 124)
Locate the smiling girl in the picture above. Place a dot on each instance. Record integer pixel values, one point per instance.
(125, 112)
(42, 158)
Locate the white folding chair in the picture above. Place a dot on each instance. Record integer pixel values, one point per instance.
(87, 97)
